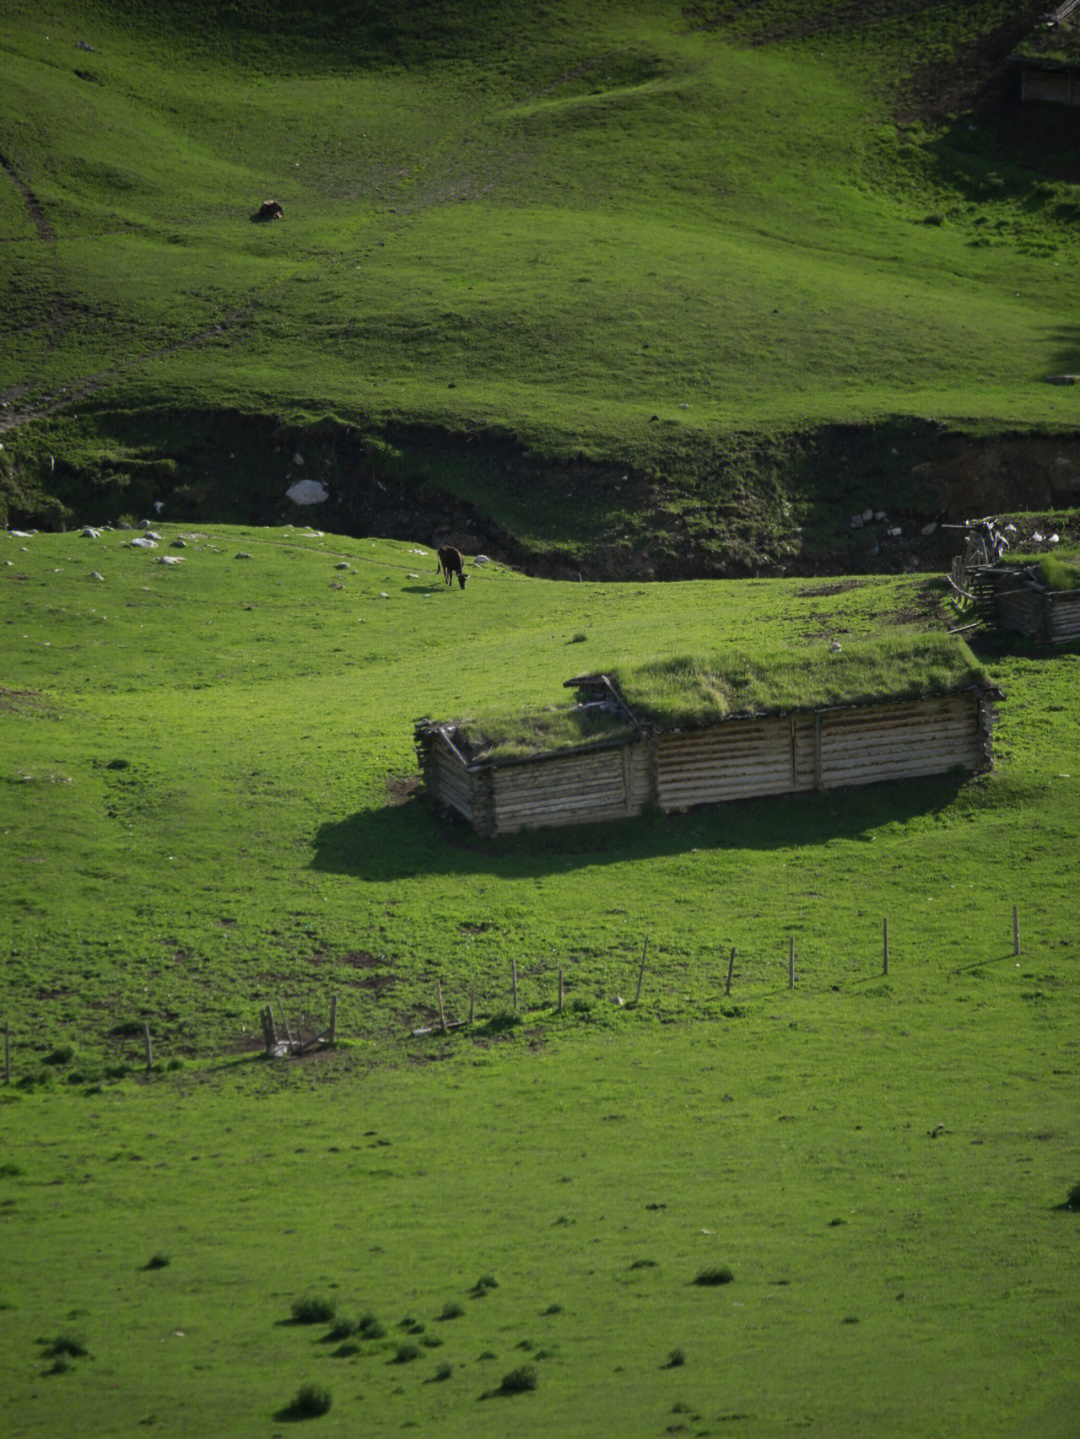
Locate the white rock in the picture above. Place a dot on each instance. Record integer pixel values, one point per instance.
(242, 555)
(142, 542)
(481, 560)
(879, 515)
(298, 458)
(895, 530)
(867, 516)
(856, 522)
(383, 595)
(1036, 538)
(929, 529)
(95, 576)
(170, 559)
(342, 565)
(89, 533)
(1054, 540)
(307, 492)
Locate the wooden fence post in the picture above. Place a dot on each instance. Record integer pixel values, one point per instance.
(791, 963)
(560, 991)
(7, 1053)
(333, 1018)
(1016, 931)
(472, 1004)
(641, 971)
(149, 1046)
(285, 1025)
(885, 945)
(442, 1012)
(730, 968)
(513, 972)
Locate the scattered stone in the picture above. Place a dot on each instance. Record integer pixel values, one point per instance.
(1054, 540)
(342, 565)
(1063, 379)
(481, 560)
(383, 595)
(867, 516)
(95, 576)
(242, 555)
(142, 542)
(895, 531)
(856, 522)
(879, 515)
(411, 576)
(298, 458)
(143, 525)
(929, 529)
(170, 559)
(89, 533)
(179, 543)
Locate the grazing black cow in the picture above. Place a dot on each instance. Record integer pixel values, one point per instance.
(450, 564)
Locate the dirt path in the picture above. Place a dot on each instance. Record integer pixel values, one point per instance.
(33, 205)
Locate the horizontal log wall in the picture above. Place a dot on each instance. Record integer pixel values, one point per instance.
(1064, 618)
(580, 789)
(905, 741)
(747, 758)
(450, 782)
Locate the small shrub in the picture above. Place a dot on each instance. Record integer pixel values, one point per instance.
(452, 1311)
(443, 1372)
(66, 1345)
(431, 1341)
(483, 1284)
(502, 1022)
(312, 1309)
(60, 1365)
(721, 1275)
(519, 1381)
(117, 1071)
(1072, 1201)
(643, 1264)
(310, 1402)
(10, 1171)
(553, 1309)
(62, 1054)
(406, 1353)
(370, 1328)
(676, 1359)
(344, 1351)
(581, 1006)
(342, 1329)
(579, 638)
(157, 1261)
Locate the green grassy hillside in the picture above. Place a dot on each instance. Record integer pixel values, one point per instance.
(623, 234)
(204, 799)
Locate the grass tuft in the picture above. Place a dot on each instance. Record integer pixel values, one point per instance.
(310, 1401)
(723, 1274)
(519, 1381)
(313, 1309)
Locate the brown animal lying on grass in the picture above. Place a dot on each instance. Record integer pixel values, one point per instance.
(450, 564)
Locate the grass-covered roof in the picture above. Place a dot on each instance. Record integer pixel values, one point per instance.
(702, 689)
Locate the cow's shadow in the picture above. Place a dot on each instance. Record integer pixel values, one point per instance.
(415, 838)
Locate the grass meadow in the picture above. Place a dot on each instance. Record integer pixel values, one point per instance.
(206, 769)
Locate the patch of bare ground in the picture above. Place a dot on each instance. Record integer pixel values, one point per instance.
(840, 587)
(400, 788)
(24, 701)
